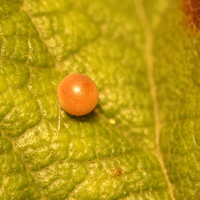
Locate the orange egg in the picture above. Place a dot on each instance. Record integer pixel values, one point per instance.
(78, 94)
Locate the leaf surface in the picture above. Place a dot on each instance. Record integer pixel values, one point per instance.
(142, 140)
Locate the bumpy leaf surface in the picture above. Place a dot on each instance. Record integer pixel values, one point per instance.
(143, 139)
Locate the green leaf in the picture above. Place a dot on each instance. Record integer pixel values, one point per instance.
(141, 142)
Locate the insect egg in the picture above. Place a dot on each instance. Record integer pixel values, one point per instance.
(78, 94)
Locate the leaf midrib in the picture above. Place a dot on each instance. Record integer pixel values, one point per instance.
(148, 54)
